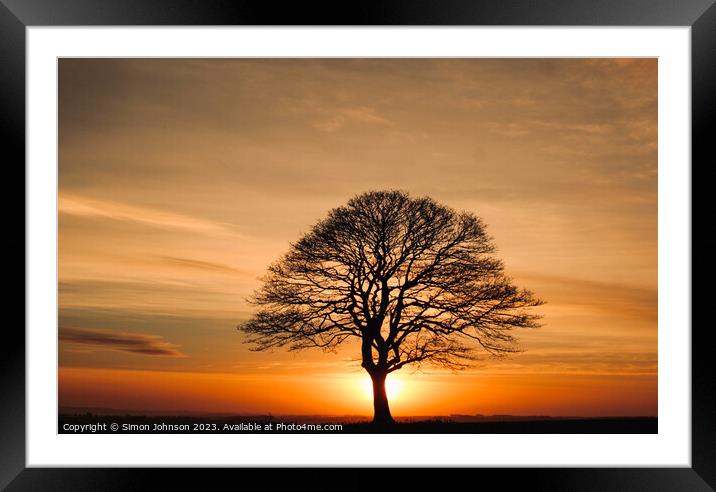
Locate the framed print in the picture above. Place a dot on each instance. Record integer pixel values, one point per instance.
(419, 237)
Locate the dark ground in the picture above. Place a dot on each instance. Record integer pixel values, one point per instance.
(353, 425)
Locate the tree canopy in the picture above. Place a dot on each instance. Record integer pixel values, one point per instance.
(417, 282)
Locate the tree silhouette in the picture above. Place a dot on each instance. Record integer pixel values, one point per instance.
(415, 281)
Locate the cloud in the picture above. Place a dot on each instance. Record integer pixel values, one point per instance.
(190, 299)
(198, 264)
(610, 297)
(509, 129)
(343, 116)
(134, 343)
(91, 208)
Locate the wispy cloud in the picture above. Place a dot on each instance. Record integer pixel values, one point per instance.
(509, 129)
(586, 295)
(134, 343)
(92, 208)
(344, 116)
(198, 264)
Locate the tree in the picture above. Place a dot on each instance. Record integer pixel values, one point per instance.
(415, 281)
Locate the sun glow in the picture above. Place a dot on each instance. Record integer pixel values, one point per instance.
(393, 387)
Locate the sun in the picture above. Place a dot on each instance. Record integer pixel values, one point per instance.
(393, 388)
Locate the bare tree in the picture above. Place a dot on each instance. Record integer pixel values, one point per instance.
(415, 281)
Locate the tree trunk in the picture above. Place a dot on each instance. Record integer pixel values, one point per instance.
(381, 410)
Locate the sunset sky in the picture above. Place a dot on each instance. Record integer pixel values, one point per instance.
(180, 181)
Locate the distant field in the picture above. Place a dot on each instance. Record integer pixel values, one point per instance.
(157, 424)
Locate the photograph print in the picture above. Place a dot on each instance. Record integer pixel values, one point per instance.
(341, 245)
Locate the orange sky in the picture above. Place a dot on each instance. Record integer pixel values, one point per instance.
(181, 180)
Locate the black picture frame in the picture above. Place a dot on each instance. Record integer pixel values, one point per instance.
(700, 15)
